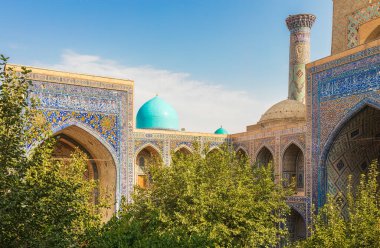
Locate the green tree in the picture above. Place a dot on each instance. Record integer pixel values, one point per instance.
(359, 227)
(43, 202)
(216, 201)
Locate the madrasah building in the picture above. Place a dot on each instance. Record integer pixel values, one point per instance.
(327, 129)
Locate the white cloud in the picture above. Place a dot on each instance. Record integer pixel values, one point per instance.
(202, 107)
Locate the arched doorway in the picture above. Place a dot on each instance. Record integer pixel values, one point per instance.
(351, 151)
(293, 167)
(144, 158)
(101, 165)
(296, 226)
(264, 157)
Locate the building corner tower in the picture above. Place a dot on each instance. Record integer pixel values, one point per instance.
(299, 27)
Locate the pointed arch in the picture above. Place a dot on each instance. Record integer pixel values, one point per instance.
(214, 149)
(241, 153)
(296, 225)
(73, 122)
(242, 149)
(184, 149)
(150, 146)
(143, 158)
(101, 162)
(293, 165)
(264, 156)
(292, 142)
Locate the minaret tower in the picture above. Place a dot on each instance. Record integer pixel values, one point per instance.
(299, 27)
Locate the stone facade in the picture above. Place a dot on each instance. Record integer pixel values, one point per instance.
(319, 144)
(97, 113)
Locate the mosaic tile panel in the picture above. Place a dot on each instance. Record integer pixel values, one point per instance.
(270, 143)
(102, 111)
(298, 139)
(105, 125)
(337, 90)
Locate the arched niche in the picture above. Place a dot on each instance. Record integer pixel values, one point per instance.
(184, 150)
(213, 152)
(293, 167)
(264, 157)
(352, 149)
(101, 165)
(144, 158)
(241, 153)
(375, 35)
(296, 226)
(369, 31)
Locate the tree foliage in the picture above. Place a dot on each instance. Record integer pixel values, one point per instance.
(359, 227)
(214, 201)
(43, 202)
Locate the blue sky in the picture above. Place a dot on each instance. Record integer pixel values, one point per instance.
(238, 48)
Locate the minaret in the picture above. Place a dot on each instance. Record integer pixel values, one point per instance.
(299, 27)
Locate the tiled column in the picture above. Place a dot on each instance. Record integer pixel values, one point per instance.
(299, 27)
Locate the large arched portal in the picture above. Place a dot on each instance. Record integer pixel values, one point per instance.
(264, 157)
(144, 158)
(101, 166)
(352, 150)
(293, 167)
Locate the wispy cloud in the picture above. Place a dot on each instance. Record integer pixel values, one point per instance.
(201, 106)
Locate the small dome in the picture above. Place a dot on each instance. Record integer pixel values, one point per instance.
(221, 130)
(287, 109)
(157, 114)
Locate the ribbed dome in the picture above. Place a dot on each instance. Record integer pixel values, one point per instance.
(221, 130)
(157, 114)
(287, 109)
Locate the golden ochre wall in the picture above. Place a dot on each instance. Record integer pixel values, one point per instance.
(353, 22)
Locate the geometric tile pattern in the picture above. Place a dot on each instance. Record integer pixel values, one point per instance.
(105, 125)
(353, 150)
(337, 90)
(102, 108)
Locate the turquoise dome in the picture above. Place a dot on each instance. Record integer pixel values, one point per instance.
(221, 130)
(157, 114)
